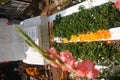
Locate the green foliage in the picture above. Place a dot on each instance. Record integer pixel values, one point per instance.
(87, 20)
(100, 52)
(84, 21)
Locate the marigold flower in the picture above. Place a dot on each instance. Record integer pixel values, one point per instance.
(99, 35)
(65, 40)
(74, 38)
(108, 42)
(31, 71)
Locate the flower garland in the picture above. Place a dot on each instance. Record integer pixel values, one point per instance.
(101, 34)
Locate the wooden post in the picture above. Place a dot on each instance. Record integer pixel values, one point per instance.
(43, 33)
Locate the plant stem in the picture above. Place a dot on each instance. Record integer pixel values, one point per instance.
(31, 43)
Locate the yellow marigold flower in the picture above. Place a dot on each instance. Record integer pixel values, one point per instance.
(74, 38)
(108, 42)
(65, 40)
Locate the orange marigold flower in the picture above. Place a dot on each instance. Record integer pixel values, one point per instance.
(74, 38)
(99, 35)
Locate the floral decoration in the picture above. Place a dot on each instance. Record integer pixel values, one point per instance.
(86, 68)
(64, 60)
(99, 35)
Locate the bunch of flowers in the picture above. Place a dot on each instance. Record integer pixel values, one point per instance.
(64, 60)
(101, 34)
(67, 62)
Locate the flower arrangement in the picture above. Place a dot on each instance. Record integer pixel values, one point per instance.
(99, 35)
(85, 68)
(64, 60)
(101, 17)
(89, 25)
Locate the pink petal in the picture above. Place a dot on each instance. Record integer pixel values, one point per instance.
(93, 74)
(53, 53)
(68, 59)
(86, 68)
(117, 4)
(80, 73)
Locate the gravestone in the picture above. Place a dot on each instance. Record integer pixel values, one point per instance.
(11, 44)
(37, 29)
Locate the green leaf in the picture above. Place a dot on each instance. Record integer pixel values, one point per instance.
(29, 41)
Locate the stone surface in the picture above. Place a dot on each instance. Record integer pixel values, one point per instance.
(11, 47)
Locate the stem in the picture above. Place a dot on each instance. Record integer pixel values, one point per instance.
(31, 43)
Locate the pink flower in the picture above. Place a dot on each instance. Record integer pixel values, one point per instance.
(117, 4)
(86, 69)
(64, 57)
(53, 54)
(68, 59)
(93, 74)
